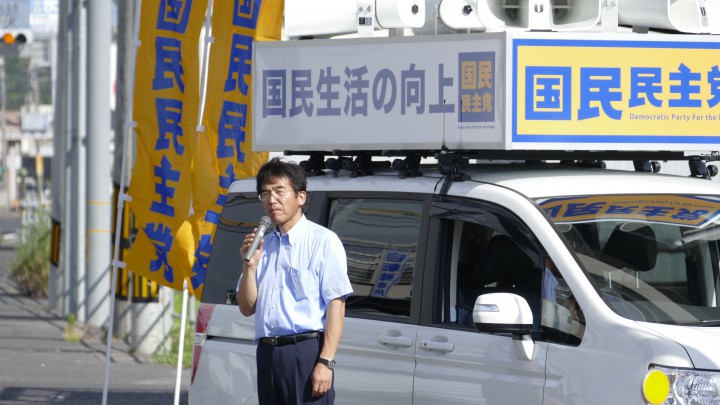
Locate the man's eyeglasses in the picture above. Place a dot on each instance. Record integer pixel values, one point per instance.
(277, 193)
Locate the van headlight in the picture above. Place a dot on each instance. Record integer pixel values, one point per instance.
(678, 386)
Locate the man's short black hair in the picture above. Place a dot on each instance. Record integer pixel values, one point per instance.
(277, 168)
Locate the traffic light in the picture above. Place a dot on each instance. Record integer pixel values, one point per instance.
(16, 37)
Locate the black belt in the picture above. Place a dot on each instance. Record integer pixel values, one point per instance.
(289, 339)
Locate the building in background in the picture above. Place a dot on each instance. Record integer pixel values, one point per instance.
(28, 30)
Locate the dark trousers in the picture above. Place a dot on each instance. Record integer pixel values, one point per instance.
(284, 374)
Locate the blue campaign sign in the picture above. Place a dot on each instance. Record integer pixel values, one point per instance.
(690, 211)
(631, 92)
(391, 270)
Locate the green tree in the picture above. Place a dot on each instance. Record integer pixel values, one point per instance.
(16, 81)
(44, 77)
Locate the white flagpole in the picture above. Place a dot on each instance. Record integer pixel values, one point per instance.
(183, 318)
(209, 39)
(122, 197)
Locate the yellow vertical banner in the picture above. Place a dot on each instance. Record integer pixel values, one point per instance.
(127, 231)
(165, 110)
(225, 147)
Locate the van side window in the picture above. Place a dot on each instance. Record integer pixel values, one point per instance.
(381, 240)
(563, 321)
(239, 216)
(484, 248)
(485, 260)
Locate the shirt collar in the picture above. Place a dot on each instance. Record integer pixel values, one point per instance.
(294, 232)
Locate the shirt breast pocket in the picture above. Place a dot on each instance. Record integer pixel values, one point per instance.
(303, 282)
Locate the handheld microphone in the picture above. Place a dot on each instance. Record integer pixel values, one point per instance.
(262, 227)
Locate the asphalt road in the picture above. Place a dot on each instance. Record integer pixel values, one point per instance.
(38, 366)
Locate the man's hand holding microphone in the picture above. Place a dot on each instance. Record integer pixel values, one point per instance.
(253, 241)
(250, 251)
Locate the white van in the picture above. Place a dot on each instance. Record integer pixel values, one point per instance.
(546, 279)
(514, 283)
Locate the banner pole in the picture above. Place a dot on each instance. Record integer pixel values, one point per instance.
(203, 68)
(200, 129)
(122, 197)
(183, 318)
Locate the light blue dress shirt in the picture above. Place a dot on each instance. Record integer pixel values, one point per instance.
(299, 273)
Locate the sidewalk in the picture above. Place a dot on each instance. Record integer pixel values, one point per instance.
(38, 366)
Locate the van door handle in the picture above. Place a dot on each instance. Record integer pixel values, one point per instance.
(400, 341)
(439, 346)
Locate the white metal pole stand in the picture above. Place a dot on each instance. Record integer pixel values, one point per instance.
(183, 318)
(122, 197)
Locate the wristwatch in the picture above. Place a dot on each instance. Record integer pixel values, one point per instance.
(327, 363)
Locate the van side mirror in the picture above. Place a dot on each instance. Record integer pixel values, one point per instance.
(502, 313)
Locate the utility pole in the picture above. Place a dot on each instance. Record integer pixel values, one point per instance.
(77, 166)
(125, 67)
(66, 241)
(57, 289)
(98, 157)
(3, 132)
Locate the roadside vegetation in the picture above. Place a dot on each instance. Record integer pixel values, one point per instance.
(73, 332)
(170, 357)
(31, 268)
(30, 273)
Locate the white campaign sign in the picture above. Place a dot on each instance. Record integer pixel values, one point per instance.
(379, 93)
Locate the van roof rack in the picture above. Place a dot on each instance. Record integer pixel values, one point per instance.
(453, 163)
(498, 154)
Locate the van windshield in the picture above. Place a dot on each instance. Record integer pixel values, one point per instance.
(653, 258)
